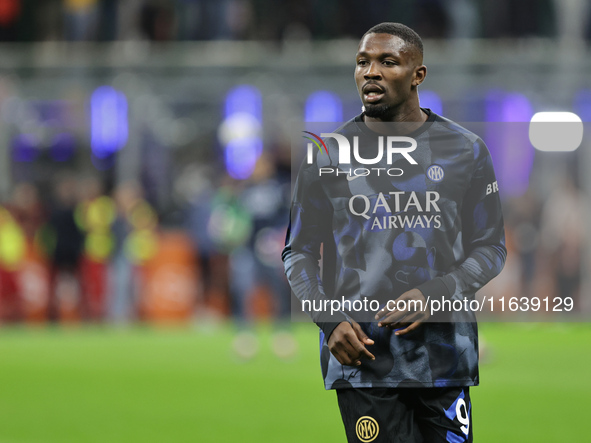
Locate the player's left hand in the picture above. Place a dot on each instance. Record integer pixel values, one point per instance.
(412, 317)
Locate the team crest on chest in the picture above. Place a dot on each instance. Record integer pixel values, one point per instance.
(435, 173)
(367, 429)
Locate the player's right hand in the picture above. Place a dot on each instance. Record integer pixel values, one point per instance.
(347, 343)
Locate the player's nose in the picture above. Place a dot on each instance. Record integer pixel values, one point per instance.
(372, 72)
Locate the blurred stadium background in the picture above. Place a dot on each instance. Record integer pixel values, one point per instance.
(145, 181)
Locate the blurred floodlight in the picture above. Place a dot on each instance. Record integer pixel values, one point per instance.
(25, 147)
(239, 125)
(556, 131)
(108, 121)
(516, 108)
(507, 107)
(507, 138)
(241, 156)
(323, 106)
(240, 132)
(431, 100)
(582, 104)
(244, 98)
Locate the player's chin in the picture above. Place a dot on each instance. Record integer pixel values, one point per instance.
(376, 110)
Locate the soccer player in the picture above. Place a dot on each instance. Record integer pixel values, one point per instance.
(410, 212)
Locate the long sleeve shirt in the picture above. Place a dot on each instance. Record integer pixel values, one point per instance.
(390, 221)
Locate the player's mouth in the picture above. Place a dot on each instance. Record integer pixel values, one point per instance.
(372, 93)
(373, 97)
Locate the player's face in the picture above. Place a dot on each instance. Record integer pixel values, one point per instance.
(387, 73)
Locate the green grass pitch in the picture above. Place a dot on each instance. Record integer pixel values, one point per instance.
(184, 385)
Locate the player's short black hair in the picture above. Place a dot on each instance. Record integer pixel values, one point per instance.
(401, 31)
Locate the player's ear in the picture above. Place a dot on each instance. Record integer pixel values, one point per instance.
(419, 75)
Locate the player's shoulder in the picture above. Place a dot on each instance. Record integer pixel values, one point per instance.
(350, 127)
(445, 124)
(472, 142)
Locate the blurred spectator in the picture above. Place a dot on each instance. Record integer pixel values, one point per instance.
(198, 217)
(94, 216)
(257, 261)
(432, 19)
(229, 224)
(525, 18)
(9, 14)
(65, 244)
(46, 18)
(33, 274)
(20, 235)
(166, 20)
(564, 222)
(27, 209)
(523, 222)
(463, 18)
(81, 19)
(190, 15)
(123, 302)
(108, 20)
(12, 253)
(571, 18)
(128, 19)
(158, 20)
(135, 236)
(238, 18)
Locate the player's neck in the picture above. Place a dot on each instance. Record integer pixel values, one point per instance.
(408, 120)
